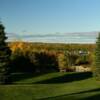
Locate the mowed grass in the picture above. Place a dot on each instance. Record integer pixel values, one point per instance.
(51, 86)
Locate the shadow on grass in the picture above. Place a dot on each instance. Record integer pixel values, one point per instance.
(67, 78)
(77, 96)
(94, 97)
(21, 76)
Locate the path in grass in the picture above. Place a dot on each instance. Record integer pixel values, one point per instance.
(52, 86)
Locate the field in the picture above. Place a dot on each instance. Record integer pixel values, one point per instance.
(32, 78)
(51, 86)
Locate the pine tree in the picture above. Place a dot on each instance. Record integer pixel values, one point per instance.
(4, 57)
(97, 59)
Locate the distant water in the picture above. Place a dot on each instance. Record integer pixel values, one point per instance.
(57, 38)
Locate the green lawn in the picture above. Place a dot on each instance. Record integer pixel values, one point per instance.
(51, 86)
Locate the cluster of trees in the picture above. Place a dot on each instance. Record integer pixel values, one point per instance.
(27, 57)
(51, 46)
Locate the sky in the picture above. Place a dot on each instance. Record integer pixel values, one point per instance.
(50, 16)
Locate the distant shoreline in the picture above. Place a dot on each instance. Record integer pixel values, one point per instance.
(49, 43)
(66, 38)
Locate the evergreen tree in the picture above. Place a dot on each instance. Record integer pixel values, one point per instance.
(4, 57)
(97, 58)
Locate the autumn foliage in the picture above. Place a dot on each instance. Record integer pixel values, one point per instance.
(42, 57)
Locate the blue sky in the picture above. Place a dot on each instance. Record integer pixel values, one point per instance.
(50, 16)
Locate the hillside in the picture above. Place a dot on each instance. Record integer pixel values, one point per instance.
(52, 86)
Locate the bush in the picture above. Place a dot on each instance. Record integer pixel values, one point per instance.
(33, 61)
(21, 63)
(45, 61)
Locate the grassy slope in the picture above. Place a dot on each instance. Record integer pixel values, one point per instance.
(52, 86)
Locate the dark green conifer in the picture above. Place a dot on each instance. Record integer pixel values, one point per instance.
(4, 57)
(97, 59)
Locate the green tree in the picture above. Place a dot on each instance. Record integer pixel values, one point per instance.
(97, 59)
(4, 57)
